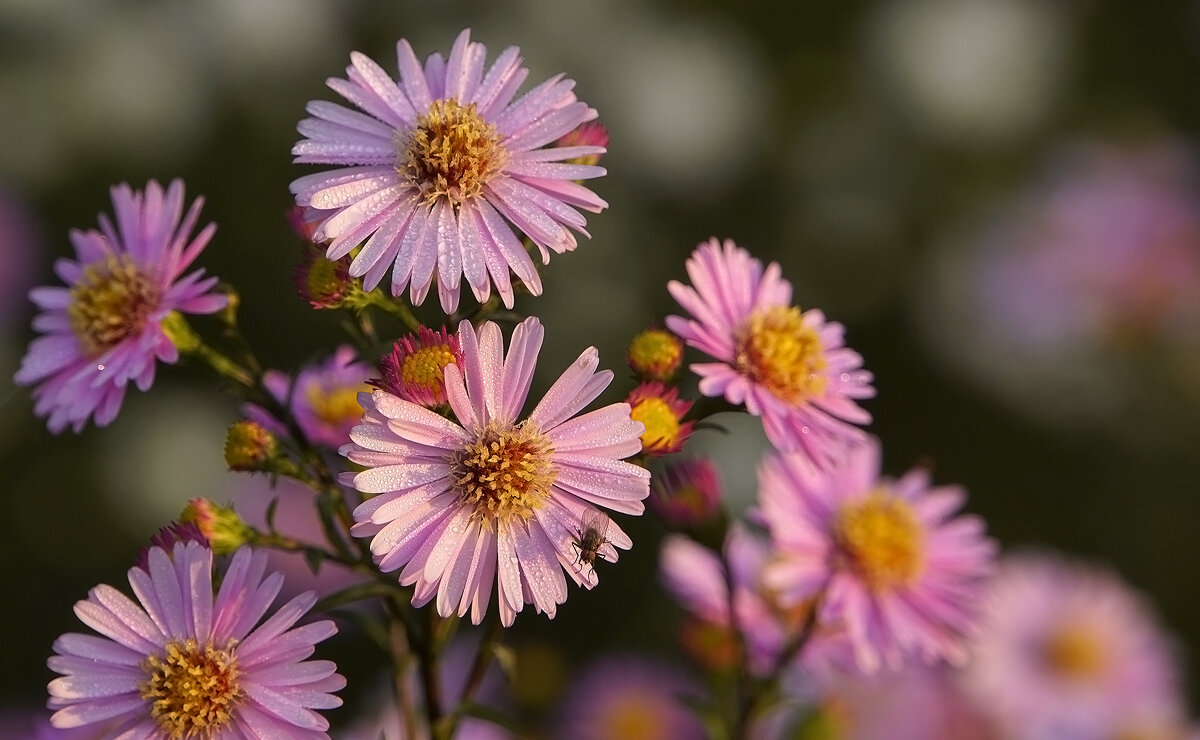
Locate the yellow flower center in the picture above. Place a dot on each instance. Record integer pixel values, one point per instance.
(505, 473)
(881, 540)
(662, 426)
(1074, 653)
(193, 691)
(655, 353)
(632, 718)
(777, 350)
(112, 301)
(452, 153)
(336, 406)
(426, 368)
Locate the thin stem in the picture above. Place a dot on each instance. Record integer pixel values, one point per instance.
(402, 658)
(429, 673)
(399, 309)
(483, 658)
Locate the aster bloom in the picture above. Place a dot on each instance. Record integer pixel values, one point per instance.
(1069, 650)
(788, 367)
(661, 410)
(439, 167)
(889, 562)
(323, 397)
(183, 663)
(415, 368)
(104, 329)
(632, 698)
(483, 497)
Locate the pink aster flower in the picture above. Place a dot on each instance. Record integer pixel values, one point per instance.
(889, 562)
(661, 410)
(1070, 651)
(142, 672)
(696, 577)
(786, 366)
(481, 497)
(633, 698)
(439, 167)
(415, 368)
(323, 397)
(104, 329)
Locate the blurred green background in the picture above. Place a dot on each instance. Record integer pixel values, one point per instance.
(866, 146)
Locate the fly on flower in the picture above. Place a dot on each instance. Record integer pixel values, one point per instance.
(593, 535)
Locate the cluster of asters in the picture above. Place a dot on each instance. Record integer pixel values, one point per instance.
(433, 481)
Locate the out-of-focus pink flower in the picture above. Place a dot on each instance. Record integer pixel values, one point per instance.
(483, 497)
(1068, 650)
(888, 560)
(631, 698)
(141, 673)
(439, 167)
(788, 367)
(104, 329)
(323, 398)
(19, 243)
(696, 577)
(1073, 298)
(687, 492)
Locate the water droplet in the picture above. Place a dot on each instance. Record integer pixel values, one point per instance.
(100, 366)
(845, 377)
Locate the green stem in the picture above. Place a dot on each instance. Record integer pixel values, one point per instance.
(402, 658)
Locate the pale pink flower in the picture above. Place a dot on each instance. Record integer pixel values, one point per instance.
(482, 497)
(1068, 650)
(105, 328)
(888, 561)
(696, 577)
(633, 698)
(439, 167)
(323, 397)
(140, 673)
(787, 366)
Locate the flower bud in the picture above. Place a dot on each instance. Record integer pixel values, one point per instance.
(415, 368)
(220, 525)
(661, 411)
(249, 446)
(324, 283)
(687, 493)
(167, 537)
(177, 329)
(591, 133)
(655, 354)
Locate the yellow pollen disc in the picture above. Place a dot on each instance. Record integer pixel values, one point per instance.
(662, 426)
(112, 301)
(452, 153)
(505, 473)
(338, 405)
(655, 350)
(1074, 653)
(881, 540)
(426, 367)
(777, 350)
(193, 691)
(632, 718)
